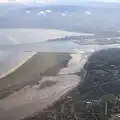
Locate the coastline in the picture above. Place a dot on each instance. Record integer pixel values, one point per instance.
(81, 75)
(26, 101)
(55, 63)
(37, 114)
(21, 62)
(35, 70)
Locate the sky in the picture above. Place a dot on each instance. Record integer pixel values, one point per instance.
(52, 1)
(26, 1)
(108, 1)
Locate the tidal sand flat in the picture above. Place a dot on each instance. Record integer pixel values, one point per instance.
(31, 70)
(38, 93)
(10, 61)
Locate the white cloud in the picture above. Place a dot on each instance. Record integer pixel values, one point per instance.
(48, 11)
(60, 1)
(44, 1)
(106, 1)
(63, 14)
(27, 1)
(27, 11)
(3, 1)
(88, 13)
(41, 13)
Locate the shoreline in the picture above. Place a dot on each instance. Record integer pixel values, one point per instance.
(33, 99)
(81, 74)
(22, 62)
(59, 61)
(37, 114)
(55, 67)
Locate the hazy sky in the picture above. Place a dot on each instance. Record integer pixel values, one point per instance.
(44, 1)
(108, 0)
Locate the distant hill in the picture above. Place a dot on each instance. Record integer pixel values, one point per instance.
(80, 18)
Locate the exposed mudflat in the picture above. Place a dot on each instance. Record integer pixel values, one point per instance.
(32, 71)
(20, 92)
(30, 80)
